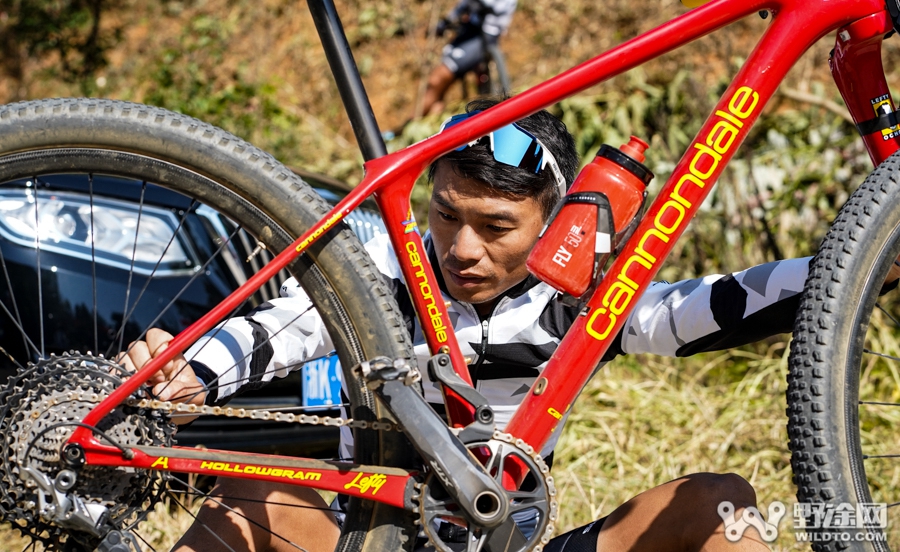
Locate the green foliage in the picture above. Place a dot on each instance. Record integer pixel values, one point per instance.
(187, 77)
(66, 32)
(379, 20)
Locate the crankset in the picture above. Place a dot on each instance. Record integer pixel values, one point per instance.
(533, 509)
(48, 494)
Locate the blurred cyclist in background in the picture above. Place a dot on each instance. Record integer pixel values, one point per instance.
(478, 23)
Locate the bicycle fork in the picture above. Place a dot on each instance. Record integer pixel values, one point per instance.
(859, 74)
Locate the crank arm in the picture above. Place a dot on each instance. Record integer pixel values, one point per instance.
(481, 498)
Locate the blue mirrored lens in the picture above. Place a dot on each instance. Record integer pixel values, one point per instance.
(516, 147)
(511, 145)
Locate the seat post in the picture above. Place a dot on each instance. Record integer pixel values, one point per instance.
(347, 77)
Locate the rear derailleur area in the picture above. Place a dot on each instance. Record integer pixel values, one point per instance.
(46, 490)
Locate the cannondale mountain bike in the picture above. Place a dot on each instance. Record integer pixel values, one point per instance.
(86, 452)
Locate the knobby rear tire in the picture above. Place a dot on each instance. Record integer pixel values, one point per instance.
(838, 371)
(273, 204)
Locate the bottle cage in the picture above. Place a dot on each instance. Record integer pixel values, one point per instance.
(605, 230)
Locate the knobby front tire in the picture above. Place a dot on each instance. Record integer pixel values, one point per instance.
(844, 382)
(98, 143)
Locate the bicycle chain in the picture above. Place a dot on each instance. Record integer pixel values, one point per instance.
(542, 470)
(257, 414)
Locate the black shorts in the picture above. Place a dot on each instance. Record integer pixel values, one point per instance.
(466, 51)
(583, 539)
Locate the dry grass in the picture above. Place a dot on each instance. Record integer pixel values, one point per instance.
(646, 420)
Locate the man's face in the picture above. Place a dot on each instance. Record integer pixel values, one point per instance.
(482, 238)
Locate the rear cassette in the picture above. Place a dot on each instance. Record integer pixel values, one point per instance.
(41, 406)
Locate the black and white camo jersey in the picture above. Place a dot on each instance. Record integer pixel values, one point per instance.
(508, 349)
(498, 18)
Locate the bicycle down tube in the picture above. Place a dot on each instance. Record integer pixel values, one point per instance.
(796, 25)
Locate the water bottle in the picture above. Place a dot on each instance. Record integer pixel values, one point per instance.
(599, 211)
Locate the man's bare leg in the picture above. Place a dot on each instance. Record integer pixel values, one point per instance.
(681, 515)
(439, 81)
(280, 514)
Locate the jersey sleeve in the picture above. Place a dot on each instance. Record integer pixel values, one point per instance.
(498, 20)
(274, 339)
(716, 312)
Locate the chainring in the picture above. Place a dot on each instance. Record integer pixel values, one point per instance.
(540, 501)
(40, 406)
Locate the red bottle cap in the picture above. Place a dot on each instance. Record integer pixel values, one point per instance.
(635, 149)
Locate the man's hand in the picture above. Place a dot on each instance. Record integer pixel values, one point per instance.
(176, 380)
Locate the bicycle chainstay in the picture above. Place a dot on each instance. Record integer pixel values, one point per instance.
(537, 542)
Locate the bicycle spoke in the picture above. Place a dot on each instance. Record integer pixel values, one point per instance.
(874, 456)
(17, 319)
(882, 355)
(876, 403)
(156, 266)
(184, 288)
(886, 313)
(190, 513)
(137, 232)
(37, 247)
(143, 540)
(22, 331)
(219, 502)
(93, 259)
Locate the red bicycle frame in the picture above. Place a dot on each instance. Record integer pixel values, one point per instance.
(796, 25)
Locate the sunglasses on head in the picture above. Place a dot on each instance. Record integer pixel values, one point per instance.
(514, 146)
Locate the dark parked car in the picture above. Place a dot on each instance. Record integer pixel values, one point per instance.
(186, 258)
